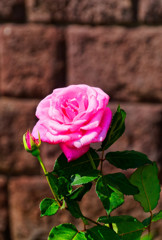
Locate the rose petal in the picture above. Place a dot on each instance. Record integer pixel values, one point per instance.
(47, 135)
(62, 138)
(102, 98)
(56, 115)
(73, 153)
(42, 131)
(105, 124)
(87, 138)
(43, 107)
(94, 122)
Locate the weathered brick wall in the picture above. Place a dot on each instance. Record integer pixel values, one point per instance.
(44, 44)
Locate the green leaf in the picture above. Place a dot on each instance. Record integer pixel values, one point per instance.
(61, 186)
(120, 182)
(156, 217)
(127, 159)
(146, 237)
(53, 182)
(78, 193)
(101, 233)
(66, 232)
(48, 207)
(116, 219)
(73, 208)
(116, 129)
(89, 176)
(64, 187)
(111, 198)
(79, 166)
(128, 228)
(146, 179)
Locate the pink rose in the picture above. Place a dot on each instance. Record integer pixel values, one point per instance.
(74, 117)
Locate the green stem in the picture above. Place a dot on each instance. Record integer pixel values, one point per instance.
(110, 224)
(90, 220)
(149, 227)
(46, 174)
(42, 165)
(91, 160)
(102, 159)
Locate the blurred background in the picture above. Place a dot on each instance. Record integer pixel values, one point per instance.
(44, 44)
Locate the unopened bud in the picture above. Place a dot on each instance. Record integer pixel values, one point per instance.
(31, 144)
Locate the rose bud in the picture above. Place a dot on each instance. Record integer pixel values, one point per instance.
(31, 144)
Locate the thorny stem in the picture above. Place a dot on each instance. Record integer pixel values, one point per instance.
(46, 174)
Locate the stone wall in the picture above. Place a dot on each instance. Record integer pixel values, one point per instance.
(44, 44)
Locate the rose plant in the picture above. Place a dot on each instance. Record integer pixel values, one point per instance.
(74, 117)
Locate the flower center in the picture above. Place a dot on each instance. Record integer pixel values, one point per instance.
(70, 108)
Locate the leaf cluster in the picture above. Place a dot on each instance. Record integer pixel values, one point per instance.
(71, 181)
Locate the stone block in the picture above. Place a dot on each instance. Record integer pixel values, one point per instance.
(150, 11)
(125, 62)
(12, 10)
(26, 194)
(32, 60)
(85, 11)
(3, 209)
(49, 153)
(17, 116)
(143, 129)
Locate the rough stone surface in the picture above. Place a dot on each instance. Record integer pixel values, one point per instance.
(85, 11)
(3, 208)
(26, 194)
(49, 154)
(118, 60)
(15, 119)
(150, 11)
(143, 129)
(34, 56)
(13, 10)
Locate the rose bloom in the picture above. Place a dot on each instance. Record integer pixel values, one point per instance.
(73, 117)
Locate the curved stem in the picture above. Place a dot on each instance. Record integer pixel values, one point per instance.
(42, 165)
(46, 174)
